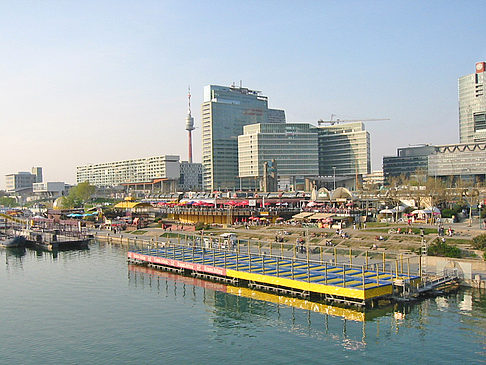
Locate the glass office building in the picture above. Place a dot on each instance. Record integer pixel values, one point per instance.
(472, 106)
(191, 176)
(225, 111)
(408, 161)
(345, 148)
(458, 160)
(292, 145)
(444, 161)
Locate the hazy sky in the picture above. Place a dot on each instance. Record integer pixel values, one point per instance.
(96, 81)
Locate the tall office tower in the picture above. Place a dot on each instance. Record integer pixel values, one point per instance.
(472, 106)
(225, 111)
(344, 150)
(293, 146)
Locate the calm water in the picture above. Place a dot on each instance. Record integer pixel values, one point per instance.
(92, 307)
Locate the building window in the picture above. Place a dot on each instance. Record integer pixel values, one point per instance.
(479, 121)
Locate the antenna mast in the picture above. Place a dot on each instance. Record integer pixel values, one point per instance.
(189, 122)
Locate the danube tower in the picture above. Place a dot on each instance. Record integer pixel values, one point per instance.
(189, 124)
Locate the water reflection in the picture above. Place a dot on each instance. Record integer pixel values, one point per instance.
(14, 257)
(239, 306)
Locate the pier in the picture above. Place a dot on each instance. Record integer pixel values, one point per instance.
(47, 234)
(54, 240)
(332, 281)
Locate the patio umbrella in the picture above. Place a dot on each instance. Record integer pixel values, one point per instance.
(431, 210)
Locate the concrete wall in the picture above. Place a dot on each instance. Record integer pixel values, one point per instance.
(473, 272)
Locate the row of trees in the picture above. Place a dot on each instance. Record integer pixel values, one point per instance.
(449, 193)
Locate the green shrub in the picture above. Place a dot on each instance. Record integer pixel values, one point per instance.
(200, 226)
(479, 242)
(447, 213)
(439, 248)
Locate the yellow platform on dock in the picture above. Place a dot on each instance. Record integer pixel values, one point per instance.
(348, 282)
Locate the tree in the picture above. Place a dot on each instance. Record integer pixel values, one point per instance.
(8, 202)
(78, 195)
(84, 191)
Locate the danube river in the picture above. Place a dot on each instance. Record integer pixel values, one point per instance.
(91, 307)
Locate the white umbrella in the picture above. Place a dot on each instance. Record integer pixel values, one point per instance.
(418, 211)
(430, 210)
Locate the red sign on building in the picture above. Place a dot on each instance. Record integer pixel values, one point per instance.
(480, 66)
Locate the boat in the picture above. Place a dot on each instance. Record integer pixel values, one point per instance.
(12, 242)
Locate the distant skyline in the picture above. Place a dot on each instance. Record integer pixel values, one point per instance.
(99, 81)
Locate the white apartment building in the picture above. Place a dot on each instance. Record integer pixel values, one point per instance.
(139, 170)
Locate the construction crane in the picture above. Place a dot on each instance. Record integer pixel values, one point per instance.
(333, 121)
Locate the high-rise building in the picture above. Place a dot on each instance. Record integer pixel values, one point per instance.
(225, 111)
(344, 150)
(472, 106)
(293, 146)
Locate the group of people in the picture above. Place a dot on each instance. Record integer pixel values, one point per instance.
(300, 245)
(342, 233)
(441, 231)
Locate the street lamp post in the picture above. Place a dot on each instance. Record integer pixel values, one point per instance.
(334, 177)
(479, 218)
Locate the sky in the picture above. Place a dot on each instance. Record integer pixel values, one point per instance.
(98, 81)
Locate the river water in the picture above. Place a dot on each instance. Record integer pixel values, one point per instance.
(91, 307)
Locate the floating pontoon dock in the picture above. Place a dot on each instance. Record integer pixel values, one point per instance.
(352, 284)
